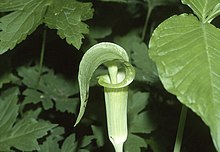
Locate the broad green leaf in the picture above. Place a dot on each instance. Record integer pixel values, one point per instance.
(214, 13)
(50, 88)
(186, 52)
(13, 5)
(206, 10)
(15, 26)
(67, 17)
(144, 67)
(22, 134)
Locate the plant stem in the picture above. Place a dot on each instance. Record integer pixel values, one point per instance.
(146, 22)
(42, 54)
(43, 49)
(119, 147)
(180, 130)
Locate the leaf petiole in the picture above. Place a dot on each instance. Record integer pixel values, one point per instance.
(42, 54)
(180, 131)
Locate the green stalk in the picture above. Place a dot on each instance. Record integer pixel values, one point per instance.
(146, 22)
(42, 54)
(180, 130)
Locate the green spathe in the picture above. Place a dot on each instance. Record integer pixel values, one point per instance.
(115, 87)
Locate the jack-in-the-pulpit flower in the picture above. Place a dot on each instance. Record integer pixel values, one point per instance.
(120, 74)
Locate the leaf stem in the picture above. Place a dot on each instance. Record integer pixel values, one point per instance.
(42, 53)
(146, 22)
(180, 130)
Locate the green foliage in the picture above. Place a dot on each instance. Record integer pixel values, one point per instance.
(138, 51)
(139, 121)
(186, 51)
(52, 90)
(67, 17)
(5, 71)
(205, 10)
(38, 104)
(11, 5)
(70, 144)
(17, 25)
(17, 133)
(98, 135)
(26, 16)
(51, 143)
(134, 143)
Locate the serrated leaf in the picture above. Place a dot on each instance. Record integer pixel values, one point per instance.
(8, 110)
(203, 8)
(30, 75)
(70, 144)
(134, 143)
(24, 133)
(13, 5)
(67, 17)
(34, 96)
(187, 54)
(15, 26)
(50, 88)
(51, 143)
(32, 113)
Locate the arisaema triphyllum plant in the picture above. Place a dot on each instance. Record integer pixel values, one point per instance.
(120, 74)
